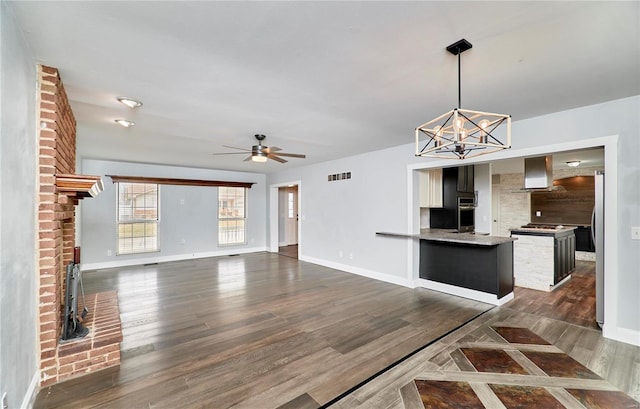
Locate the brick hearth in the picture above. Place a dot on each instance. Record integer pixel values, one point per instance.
(101, 347)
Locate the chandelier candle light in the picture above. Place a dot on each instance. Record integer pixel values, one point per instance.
(461, 133)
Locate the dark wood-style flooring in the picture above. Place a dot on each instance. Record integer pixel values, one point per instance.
(565, 318)
(574, 302)
(289, 251)
(618, 365)
(254, 331)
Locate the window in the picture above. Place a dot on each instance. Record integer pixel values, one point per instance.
(290, 205)
(137, 218)
(231, 215)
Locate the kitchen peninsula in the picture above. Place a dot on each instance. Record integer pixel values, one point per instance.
(466, 260)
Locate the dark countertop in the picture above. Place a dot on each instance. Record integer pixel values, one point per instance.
(452, 236)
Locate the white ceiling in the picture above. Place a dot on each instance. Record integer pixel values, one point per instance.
(329, 79)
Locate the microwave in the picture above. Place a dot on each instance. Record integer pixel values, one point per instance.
(466, 214)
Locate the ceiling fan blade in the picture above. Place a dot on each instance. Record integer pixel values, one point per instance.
(291, 155)
(233, 147)
(230, 153)
(272, 152)
(276, 158)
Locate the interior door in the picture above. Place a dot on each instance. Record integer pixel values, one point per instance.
(291, 217)
(495, 210)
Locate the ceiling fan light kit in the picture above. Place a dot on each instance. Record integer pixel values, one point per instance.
(261, 153)
(462, 133)
(259, 157)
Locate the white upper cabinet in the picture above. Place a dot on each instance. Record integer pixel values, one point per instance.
(430, 182)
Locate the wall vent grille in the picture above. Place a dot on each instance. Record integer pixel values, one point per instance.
(339, 176)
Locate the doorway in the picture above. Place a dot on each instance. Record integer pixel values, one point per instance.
(610, 328)
(288, 217)
(571, 206)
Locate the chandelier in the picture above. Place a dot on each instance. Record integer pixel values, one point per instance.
(461, 133)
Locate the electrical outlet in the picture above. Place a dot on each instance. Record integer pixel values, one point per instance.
(635, 232)
(350, 256)
(340, 254)
(109, 253)
(538, 213)
(183, 241)
(181, 201)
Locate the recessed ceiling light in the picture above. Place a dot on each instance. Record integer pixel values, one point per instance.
(131, 103)
(573, 163)
(124, 122)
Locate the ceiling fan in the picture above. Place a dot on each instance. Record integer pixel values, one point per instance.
(260, 153)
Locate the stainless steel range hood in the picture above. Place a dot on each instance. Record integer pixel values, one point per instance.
(538, 174)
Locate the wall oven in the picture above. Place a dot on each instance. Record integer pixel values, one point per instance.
(466, 214)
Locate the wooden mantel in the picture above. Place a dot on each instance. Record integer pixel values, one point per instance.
(79, 186)
(181, 182)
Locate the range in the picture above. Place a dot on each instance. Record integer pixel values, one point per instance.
(543, 226)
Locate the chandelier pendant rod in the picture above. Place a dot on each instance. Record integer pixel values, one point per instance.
(459, 82)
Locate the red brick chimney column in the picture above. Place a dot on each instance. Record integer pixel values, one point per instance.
(56, 213)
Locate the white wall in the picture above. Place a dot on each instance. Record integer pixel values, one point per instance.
(195, 221)
(343, 216)
(18, 247)
(339, 218)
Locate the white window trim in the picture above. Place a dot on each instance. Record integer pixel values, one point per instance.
(219, 219)
(156, 221)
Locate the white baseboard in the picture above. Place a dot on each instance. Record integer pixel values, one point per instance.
(625, 335)
(463, 292)
(444, 288)
(164, 259)
(387, 278)
(30, 397)
(617, 334)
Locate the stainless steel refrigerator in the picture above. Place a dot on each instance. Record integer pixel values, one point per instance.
(597, 234)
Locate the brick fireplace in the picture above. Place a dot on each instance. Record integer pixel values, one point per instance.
(56, 241)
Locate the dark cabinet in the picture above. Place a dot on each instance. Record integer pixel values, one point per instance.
(447, 216)
(584, 241)
(565, 256)
(455, 182)
(465, 179)
(482, 268)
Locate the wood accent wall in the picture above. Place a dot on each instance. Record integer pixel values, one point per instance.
(573, 205)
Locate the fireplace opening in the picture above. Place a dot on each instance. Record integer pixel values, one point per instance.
(72, 320)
